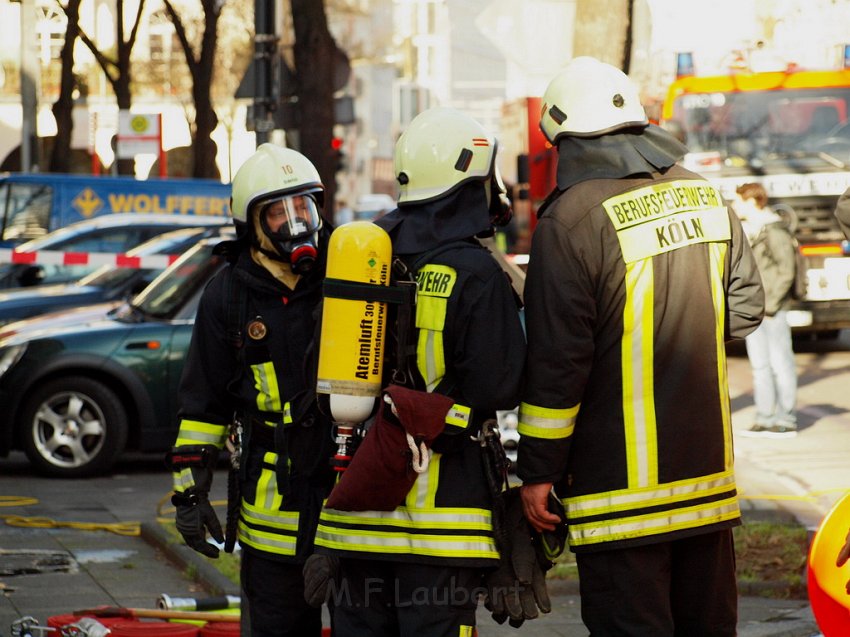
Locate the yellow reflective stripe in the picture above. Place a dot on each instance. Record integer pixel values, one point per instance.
(670, 493)
(183, 480)
(287, 413)
(265, 382)
(542, 422)
(362, 531)
(459, 415)
(448, 518)
(434, 286)
(195, 432)
(638, 387)
(265, 541)
(423, 493)
(266, 495)
(430, 357)
(285, 520)
(400, 543)
(654, 523)
(465, 631)
(717, 255)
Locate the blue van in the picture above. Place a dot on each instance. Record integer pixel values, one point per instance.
(33, 204)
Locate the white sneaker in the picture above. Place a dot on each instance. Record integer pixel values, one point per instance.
(770, 431)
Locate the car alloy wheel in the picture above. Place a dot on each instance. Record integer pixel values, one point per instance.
(74, 427)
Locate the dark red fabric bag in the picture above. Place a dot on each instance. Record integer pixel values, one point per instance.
(380, 474)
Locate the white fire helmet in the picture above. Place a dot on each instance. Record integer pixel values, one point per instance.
(282, 184)
(270, 172)
(441, 149)
(589, 98)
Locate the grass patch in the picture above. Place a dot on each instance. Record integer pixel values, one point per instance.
(773, 556)
(226, 563)
(770, 558)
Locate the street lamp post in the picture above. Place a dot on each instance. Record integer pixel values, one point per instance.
(265, 54)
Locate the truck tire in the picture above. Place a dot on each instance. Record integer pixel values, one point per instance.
(73, 427)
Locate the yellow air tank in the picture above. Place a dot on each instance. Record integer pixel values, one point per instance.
(351, 350)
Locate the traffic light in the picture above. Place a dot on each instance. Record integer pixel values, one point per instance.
(339, 156)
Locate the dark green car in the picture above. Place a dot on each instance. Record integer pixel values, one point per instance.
(78, 388)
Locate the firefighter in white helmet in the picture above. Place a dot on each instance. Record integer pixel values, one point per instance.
(638, 274)
(248, 382)
(414, 565)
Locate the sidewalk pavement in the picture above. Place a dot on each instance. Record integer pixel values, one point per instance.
(50, 572)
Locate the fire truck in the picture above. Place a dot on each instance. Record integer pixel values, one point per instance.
(789, 130)
(528, 163)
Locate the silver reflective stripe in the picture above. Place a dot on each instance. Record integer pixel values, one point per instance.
(183, 479)
(545, 422)
(465, 532)
(443, 518)
(424, 490)
(628, 499)
(654, 523)
(266, 496)
(268, 392)
(430, 346)
(278, 519)
(265, 541)
(637, 373)
(406, 543)
(194, 432)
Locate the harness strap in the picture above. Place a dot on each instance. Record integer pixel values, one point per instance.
(357, 291)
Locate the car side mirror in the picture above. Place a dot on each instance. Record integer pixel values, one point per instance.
(138, 286)
(31, 275)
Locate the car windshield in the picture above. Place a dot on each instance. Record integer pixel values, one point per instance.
(166, 295)
(109, 277)
(747, 123)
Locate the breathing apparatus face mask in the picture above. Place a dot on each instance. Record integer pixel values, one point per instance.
(291, 225)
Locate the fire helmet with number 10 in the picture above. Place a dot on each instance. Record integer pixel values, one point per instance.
(283, 184)
(589, 98)
(442, 149)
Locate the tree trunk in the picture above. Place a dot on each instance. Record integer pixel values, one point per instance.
(201, 69)
(63, 107)
(315, 61)
(204, 149)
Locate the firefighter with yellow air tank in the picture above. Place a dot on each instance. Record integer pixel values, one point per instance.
(406, 537)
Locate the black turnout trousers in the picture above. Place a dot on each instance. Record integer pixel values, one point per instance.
(679, 588)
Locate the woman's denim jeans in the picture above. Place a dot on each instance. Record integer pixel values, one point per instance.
(771, 355)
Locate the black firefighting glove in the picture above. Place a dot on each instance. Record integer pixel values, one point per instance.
(320, 570)
(193, 467)
(516, 590)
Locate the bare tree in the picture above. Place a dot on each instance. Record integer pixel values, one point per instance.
(118, 69)
(316, 57)
(201, 67)
(63, 107)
